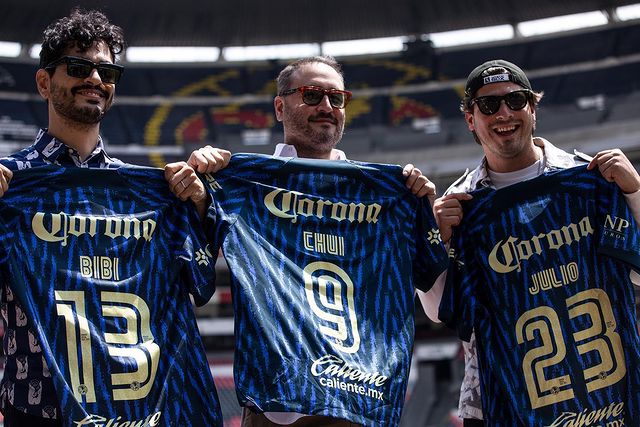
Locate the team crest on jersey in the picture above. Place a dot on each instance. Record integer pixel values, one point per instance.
(433, 236)
(527, 212)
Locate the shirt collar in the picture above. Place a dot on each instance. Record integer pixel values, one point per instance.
(287, 150)
(554, 157)
(57, 152)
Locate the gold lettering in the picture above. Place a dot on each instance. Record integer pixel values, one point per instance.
(57, 227)
(307, 238)
(39, 229)
(554, 277)
(100, 267)
(506, 255)
(323, 243)
(285, 204)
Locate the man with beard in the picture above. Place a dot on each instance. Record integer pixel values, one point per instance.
(77, 78)
(311, 105)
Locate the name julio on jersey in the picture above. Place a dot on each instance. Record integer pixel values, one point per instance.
(52, 227)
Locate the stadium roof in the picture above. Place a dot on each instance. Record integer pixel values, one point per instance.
(260, 22)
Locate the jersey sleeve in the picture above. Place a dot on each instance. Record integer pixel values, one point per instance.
(431, 257)
(199, 272)
(618, 234)
(458, 303)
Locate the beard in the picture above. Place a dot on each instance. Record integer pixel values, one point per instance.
(312, 139)
(64, 103)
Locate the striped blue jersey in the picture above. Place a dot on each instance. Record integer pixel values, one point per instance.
(103, 262)
(540, 272)
(324, 257)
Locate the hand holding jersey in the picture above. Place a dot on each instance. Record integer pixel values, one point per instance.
(511, 155)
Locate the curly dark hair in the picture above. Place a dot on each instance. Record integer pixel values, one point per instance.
(80, 29)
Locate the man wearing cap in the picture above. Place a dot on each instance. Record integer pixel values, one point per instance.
(499, 106)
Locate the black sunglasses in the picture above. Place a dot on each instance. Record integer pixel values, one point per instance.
(515, 100)
(312, 95)
(82, 68)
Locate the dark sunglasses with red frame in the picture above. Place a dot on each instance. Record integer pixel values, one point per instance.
(312, 95)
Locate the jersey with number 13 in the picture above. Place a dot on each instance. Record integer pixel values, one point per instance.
(103, 262)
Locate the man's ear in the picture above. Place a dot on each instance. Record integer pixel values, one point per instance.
(468, 117)
(278, 105)
(43, 82)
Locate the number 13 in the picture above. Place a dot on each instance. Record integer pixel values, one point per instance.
(126, 385)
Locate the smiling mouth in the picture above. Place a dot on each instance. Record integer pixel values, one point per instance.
(90, 92)
(505, 130)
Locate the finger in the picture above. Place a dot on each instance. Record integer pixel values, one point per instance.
(222, 158)
(413, 176)
(196, 159)
(458, 196)
(8, 174)
(406, 171)
(425, 188)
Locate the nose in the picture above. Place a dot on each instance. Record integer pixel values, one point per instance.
(504, 110)
(94, 77)
(325, 104)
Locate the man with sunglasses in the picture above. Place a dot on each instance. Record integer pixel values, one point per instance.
(311, 105)
(499, 107)
(77, 78)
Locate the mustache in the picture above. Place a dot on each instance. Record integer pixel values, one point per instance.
(74, 90)
(324, 116)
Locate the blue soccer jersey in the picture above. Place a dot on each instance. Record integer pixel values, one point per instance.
(324, 257)
(540, 272)
(103, 262)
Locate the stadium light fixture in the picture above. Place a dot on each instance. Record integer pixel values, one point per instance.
(562, 23)
(9, 49)
(172, 54)
(34, 51)
(627, 13)
(472, 36)
(364, 46)
(280, 51)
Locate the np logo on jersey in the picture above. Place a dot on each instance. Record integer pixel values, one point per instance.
(58, 227)
(508, 254)
(329, 292)
(289, 205)
(615, 227)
